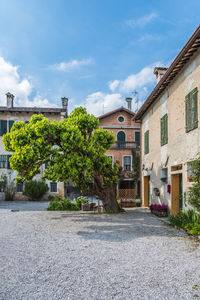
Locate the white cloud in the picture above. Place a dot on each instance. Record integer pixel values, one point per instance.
(71, 65)
(99, 103)
(10, 82)
(135, 81)
(142, 21)
(113, 85)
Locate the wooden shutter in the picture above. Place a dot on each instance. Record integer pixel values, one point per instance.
(3, 127)
(191, 110)
(146, 141)
(164, 130)
(194, 106)
(10, 124)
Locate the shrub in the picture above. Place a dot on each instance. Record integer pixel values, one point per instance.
(62, 205)
(81, 200)
(188, 220)
(194, 190)
(10, 191)
(35, 189)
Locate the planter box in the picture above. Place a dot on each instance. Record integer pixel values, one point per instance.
(161, 214)
(128, 204)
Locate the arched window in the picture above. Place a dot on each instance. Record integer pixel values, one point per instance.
(121, 139)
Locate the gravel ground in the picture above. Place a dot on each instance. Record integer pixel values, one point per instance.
(59, 255)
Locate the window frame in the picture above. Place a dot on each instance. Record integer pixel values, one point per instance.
(146, 142)
(123, 166)
(137, 145)
(19, 187)
(191, 110)
(53, 184)
(120, 117)
(164, 130)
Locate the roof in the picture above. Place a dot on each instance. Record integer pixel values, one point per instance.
(179, 62)
(120, 109)
(32, 109)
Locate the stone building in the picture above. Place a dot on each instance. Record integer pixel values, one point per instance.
(127, 140)
(10, 114)
(170, 133)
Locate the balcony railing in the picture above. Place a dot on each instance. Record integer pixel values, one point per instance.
(125, 145)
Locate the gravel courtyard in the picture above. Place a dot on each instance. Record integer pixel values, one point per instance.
(64, 255)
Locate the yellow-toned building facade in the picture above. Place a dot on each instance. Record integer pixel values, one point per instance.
(170, 130)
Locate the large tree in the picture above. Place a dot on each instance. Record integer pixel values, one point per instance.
(74, 149)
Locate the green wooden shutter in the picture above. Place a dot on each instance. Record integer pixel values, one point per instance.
(3, 127)
(10, 124)
(146, 142)
(194, 108)
(164, 130)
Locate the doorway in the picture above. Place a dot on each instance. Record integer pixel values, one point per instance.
(177, 193)
(147, 191)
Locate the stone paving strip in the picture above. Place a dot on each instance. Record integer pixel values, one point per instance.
(73, 255)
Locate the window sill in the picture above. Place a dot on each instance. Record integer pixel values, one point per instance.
(190, 129)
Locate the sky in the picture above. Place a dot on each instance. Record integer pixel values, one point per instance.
(94, 52)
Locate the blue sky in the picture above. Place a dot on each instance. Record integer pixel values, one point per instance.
(96, 53)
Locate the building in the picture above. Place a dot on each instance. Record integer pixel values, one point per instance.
(170, 132)
(10, 114)
(127, 141)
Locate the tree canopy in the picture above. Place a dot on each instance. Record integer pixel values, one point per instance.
(73, 149)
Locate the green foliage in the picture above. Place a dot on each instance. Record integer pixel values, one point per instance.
(35, 189)
(61, 205)
(3, 182)
(74, 149)
(136, 166)
(10, 191)
(194, 191)
(188, 220)
(81, 200)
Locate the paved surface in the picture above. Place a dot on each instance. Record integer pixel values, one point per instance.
(24, 205)
(59, 255)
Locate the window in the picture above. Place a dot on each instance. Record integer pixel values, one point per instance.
(121, 138)
(53, 187)
(19, 187)
(137, 139)
(127, 163)
(191, 107)
(10, 124)
(3, 127)
(121, 119)
(164, 130)
(4, 161)
(146, 142)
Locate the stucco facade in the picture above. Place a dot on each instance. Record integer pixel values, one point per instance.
(164, 174)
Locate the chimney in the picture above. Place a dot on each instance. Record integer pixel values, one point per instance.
(129, 103)
(10, 99)
(159, 72)
(65, 105)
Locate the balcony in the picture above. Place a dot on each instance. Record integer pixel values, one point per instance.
(125, 145)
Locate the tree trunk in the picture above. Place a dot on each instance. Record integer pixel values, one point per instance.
(109, 200)
(108, 195)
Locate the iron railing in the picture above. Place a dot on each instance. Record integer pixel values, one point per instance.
(125, 145)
